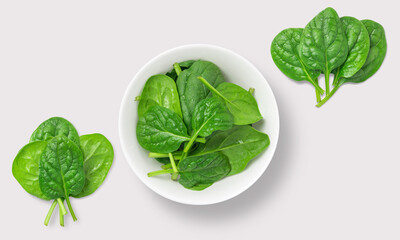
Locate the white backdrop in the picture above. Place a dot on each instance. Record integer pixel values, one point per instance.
(336, 172)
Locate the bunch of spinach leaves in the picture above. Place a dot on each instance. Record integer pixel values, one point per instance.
(197, 125)
(352, 50)
(58, 164)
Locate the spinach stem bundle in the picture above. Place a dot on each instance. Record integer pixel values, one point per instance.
(352, 50)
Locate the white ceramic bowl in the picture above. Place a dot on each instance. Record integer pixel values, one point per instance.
(235, 69)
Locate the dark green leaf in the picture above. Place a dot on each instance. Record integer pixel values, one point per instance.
(55, 126)
(161, 130)
(98, 155)
(240, 145)
(241, 103)
(192, 91)
(25, 168)
(323, 44)
(159, 90)
(61, 169)
(203, 170)
(285, 53)
(211, 115)
(358, 44)
(376, 55)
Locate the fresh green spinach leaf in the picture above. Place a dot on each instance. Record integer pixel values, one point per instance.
(241, 103)
(98, 155)
(25, 168)
(358, 45)
(161, 130)
(211, 115)
(286, 56)
(203, 170)
(55, 126)
(240, 144)
(61, 171)
(191, 91)
(159, 90)
(376, 55)
(323, 44)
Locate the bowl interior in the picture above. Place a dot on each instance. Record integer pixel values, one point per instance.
(235, 69)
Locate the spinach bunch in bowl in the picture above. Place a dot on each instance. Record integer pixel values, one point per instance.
(58, 164)
(352, 50)
(198, 125)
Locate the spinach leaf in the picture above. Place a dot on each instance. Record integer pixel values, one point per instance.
(61, 171)
(159, 90)
(191, 91)
(209, 115)
(203, 170)
(241, 103)
(376, 55)
(200, 187)
(285, 53)
(55, 126)
(358, 45)
(161, 130)
(183, 65)
(98, 155)
(323, 44)
(240, 144)
(25, 168)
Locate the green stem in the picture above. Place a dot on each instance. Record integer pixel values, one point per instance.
(70, 209)
(327, 85)
(318, 89)
(50, 212)
(251, 91)
(172, 160)
(177, 155)
(61, 205)
(61, 218)
(336, 79)
(160, 172)
(167, 166)
(211, 88)
(137, 98)
(200, 140)
(177, 68)
(330, 95)
(318, 95)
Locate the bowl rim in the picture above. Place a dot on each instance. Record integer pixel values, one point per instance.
(124, 102)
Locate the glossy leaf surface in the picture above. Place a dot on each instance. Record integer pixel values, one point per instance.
(61, 169)
(55, 126)
(285, 53)
(323, 44)
(98, 155)
(192, 91)
(376, 55)
(203, 170)
(25, 168)
(240, 145)
(211, 115)
(159, 90)
(358, 45)
(161, 130)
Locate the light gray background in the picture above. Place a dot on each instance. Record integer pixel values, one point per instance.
(336, 171)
